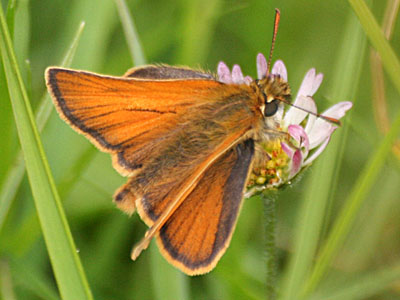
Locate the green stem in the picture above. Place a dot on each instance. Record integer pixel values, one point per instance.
(269, 245)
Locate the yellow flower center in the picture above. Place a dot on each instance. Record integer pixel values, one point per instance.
(275, 169)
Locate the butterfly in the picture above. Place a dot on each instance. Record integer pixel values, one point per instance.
(187, 143)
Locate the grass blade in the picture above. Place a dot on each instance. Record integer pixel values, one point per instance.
(15, 174)
(30, 279)
(168, 282)
(131, 35)
(325, 172)
(198, 27)
(89, 55)
(378, 40)
(375, 164)
(67, 267)
(10, 15)
(353, 203)
(6, 284)
(364, 286)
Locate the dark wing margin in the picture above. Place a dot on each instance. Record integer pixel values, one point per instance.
(198, 233)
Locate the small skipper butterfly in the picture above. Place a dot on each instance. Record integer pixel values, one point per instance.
(185, 140)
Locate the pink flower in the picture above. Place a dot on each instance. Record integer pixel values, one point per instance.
(312, 138)
(309, 134)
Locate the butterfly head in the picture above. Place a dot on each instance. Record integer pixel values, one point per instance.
(275, 92)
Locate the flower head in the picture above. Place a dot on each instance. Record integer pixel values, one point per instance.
(307, 135)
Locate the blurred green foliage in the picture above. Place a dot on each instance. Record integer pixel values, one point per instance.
(199, 33)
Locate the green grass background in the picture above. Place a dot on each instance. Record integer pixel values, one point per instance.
(321, 34)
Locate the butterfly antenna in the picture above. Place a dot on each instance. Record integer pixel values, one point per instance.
(276, 24)
(326, 118)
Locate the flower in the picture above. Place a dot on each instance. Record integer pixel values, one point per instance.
(308, 135)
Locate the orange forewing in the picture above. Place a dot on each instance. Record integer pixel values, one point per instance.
(114, 111)
(198, 233)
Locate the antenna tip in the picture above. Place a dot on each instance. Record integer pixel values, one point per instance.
(332, 120)
(275, 32)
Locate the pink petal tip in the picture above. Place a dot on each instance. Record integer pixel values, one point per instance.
(262, 66)
(224, 73)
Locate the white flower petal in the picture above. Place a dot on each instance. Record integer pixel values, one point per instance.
(237, 75)
(295, 115)
(338, 110)
(316, 83)
(320, 131)
(306, 87)
(224, 74)
(317, 152)
(279, 68)
(321, 128)
(311, 117)
(262, 66)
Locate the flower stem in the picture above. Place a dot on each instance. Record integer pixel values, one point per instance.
(268, 199)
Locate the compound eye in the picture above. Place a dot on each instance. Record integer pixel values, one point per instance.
(271, 108)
